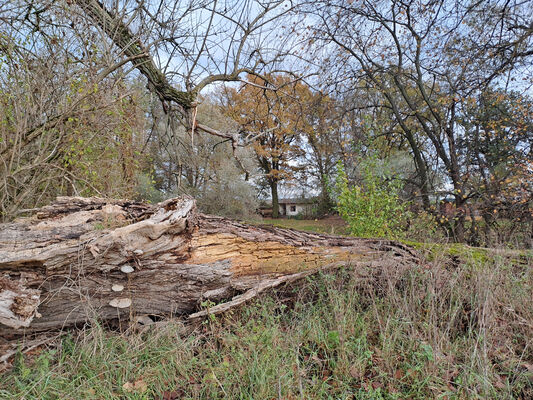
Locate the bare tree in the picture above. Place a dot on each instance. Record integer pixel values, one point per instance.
(178, 48)
(205, 169)
(183, 47)
(427, 61)
(58, 103)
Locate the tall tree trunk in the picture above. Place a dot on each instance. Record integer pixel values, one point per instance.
(421, 168)
(325, 205)
(80, 259)
(459, 219)
(275, 199)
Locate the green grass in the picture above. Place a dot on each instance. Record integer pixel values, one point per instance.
(330, 226)
(408, 333)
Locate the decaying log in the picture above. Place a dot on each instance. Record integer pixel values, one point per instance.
(82, 258)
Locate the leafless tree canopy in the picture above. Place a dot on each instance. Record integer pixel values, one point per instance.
(182, 47)
(444, 83)
(428, 61)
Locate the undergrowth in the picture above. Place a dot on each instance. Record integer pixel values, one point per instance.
(449, 330)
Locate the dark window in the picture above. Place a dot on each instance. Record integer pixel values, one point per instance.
(293, 208)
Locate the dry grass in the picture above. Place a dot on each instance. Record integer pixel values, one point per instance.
(458, 328)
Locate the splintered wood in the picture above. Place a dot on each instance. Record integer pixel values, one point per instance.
(259, 258)
(85, 258)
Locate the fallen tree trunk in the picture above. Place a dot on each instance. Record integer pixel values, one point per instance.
(83, 258)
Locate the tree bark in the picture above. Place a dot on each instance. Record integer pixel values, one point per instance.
(275, 198)
(84, 258)
(121, 36)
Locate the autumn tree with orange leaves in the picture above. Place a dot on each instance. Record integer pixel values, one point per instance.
(268, 112)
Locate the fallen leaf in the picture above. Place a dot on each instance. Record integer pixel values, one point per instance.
(137, 386)
(173, 395)
(499, 383)
(398, 374)
(140, 386)
(355, 372)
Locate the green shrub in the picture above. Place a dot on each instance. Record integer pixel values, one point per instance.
(374, 208)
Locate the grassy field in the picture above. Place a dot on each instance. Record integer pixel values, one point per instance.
(458, 328)
(332, 225)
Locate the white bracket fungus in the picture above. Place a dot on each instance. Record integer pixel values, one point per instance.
(120, 303)
(117, 288)
(126, 269)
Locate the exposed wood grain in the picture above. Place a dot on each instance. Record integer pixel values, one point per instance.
(83, 258)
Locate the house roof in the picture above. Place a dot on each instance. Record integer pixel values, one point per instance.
(295, 201)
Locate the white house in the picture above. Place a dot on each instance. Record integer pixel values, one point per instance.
(294, 207)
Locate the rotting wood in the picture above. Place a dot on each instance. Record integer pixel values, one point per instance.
(83, 258)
